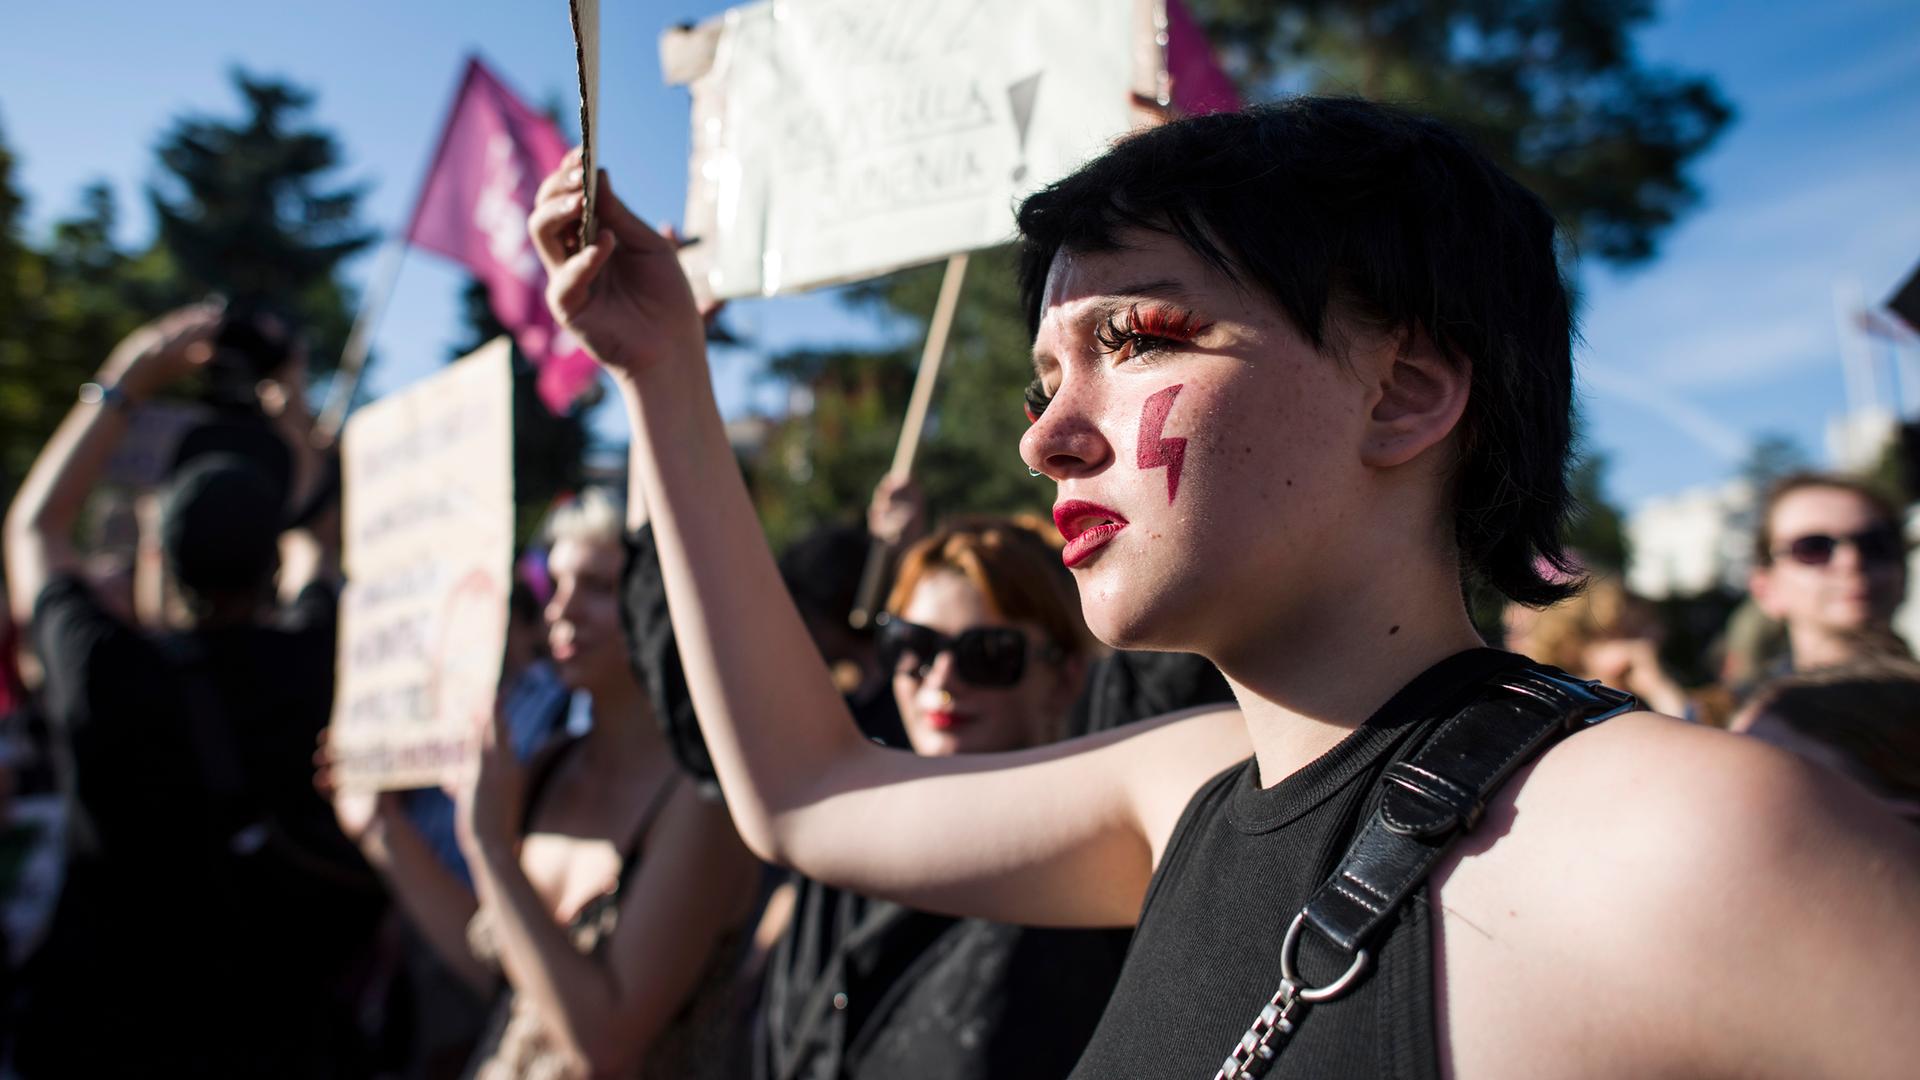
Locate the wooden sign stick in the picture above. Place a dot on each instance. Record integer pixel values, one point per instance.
(866, 600)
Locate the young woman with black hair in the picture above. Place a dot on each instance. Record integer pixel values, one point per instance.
(1301, 370)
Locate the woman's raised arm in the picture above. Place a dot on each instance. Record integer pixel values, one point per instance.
(1063, 835)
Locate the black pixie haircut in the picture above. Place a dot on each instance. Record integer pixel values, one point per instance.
(1341, 206)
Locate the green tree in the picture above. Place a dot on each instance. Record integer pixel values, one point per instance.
(823, 465)
(61, 310)
(246, 208)
(242, 209)
(1551, 88)
(1771, 457)
(1893, 473)
(547, 449)
(1598, 532)
(21, 281)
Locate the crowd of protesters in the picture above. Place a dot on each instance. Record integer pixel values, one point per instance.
(954, 898)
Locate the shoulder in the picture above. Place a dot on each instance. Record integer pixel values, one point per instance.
(1711, 800)
(696, 830)
(1696, 813)
(89, 655)
(67, 607)
(1694, 876)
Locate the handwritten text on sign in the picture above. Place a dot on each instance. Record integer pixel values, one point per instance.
(839, 139)
(428, 476)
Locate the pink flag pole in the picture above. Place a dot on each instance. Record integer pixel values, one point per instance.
(373, 303)
(353, 358)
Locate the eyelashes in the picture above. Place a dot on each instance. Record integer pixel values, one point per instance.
(1132, 332)
(1138, 331)
(1037, 400)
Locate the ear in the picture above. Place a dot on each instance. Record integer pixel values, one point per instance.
(1419, 397)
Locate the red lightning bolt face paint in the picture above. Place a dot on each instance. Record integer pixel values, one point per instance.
(1155, 451)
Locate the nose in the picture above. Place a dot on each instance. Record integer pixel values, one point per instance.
(560, 606)
(1065, 442)
(939, 673)
(1846, 558)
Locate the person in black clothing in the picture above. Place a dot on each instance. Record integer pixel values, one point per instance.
(211, 907)
(1303, 372)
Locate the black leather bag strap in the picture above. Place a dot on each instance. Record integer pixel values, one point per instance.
(1433, 797)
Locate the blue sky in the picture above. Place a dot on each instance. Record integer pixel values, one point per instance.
(1727, 335)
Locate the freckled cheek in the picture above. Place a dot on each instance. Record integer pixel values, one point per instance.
(1249, 464)
(1230, 453)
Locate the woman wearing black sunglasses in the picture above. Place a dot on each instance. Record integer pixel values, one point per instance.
(986, 651)
(983, 639)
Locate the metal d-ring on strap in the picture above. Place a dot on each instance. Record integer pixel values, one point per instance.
(1430, 800)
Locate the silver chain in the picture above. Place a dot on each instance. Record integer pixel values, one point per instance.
(1254, 1054)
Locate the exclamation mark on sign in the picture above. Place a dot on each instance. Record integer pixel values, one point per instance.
(1021, 95)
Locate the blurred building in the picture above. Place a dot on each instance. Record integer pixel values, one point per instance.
(1691, 542)
(1858, 441)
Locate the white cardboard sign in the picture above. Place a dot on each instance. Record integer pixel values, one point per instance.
(839, 139)
(427, 475)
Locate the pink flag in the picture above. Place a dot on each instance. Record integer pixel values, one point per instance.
(1199, 86)
(473, 209)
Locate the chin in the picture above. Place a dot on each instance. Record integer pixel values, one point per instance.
(1136, 616)
(934, 743)
(577, 673)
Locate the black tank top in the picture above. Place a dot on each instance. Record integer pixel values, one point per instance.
(1241, 862)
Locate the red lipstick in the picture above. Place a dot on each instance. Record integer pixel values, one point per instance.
(1086, 527)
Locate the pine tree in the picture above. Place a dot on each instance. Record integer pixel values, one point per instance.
(1551, 88)
(246, 209)
(61, 310)
(21, 279)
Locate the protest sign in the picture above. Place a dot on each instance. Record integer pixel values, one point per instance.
(838, 139)
(428, 524)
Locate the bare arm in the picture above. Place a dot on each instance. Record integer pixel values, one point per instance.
(437, 903)
(310, 551)
(39, 528)
(1065, 835)
(693, 885)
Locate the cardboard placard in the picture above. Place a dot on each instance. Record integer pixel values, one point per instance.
(427, 475)
(838, 139)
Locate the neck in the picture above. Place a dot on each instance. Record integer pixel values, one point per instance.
(220, 612)
(624, 734)
(1305, 686)
(1819, 647)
